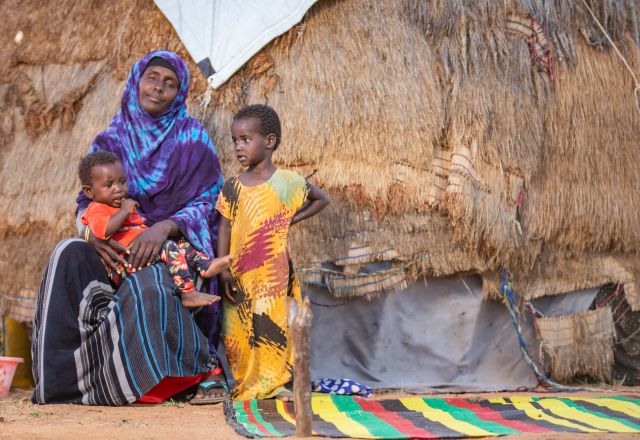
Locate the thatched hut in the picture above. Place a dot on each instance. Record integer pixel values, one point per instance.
(453, 136)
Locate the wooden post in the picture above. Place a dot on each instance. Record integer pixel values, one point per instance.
(300, 331)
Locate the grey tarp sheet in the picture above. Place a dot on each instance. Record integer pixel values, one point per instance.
(434, 336)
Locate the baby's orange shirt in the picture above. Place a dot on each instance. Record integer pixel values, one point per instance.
(97, 216)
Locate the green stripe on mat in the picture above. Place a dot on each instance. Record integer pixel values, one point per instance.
(262, 418)
(634, 401)
(466, 415)
(242, 418)
(376, 426)
(268, 426)
(571, 403)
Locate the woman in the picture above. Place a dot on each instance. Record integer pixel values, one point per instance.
(95, 346)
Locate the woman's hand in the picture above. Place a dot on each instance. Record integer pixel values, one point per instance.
(109, 251)
(146, 246)
(227, 285)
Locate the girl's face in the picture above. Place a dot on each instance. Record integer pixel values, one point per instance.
(157, 89)
(252, 147)
(108, 184)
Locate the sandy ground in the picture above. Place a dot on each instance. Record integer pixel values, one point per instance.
(20, 419)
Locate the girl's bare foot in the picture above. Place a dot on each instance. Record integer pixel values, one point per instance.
(285, 396)
(217, 265)
(198, 299)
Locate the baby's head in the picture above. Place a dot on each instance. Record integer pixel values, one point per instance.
(103, 178)
(255, 131)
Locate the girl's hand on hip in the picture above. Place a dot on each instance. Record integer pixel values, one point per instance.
(146, 246)
(227, 285)
(109, 251)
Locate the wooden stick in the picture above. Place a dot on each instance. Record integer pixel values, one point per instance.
(300, 331)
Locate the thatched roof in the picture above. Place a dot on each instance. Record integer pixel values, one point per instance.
(449, 139)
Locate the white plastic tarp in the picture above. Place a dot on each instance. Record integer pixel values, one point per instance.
(222, 35)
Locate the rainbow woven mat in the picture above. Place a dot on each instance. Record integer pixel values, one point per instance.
(432, 417)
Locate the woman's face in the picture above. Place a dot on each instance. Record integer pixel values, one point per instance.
(157, 90)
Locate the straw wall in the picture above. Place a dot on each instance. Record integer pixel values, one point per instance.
(442, 131)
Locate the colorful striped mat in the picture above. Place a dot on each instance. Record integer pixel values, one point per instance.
(432, 417)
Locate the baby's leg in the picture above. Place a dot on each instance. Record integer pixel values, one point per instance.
(206, 267)
(176, 262)
(193, 298)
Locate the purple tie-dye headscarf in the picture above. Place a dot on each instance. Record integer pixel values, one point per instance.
(169, 160)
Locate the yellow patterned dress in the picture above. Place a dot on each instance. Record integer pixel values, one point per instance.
(255, 330)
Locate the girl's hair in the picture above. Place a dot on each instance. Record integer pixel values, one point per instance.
(267, 117)
(100, 157)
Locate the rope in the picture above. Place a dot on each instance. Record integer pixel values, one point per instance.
(552, 386)
(617, 51)
(509, 296)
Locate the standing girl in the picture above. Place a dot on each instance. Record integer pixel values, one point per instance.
(257, 208)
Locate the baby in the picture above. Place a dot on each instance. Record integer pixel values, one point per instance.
(112, 215)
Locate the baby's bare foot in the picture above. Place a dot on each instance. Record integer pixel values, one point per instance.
(198, 299)
(217, 265)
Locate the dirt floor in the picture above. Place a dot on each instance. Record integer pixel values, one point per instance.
(20, 419)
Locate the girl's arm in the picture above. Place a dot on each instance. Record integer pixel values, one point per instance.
(317, 200)
(223, 244)
(222, 248)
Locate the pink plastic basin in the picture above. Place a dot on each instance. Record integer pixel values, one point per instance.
(7, 370)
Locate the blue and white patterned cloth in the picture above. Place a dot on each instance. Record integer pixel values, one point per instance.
(345, 387)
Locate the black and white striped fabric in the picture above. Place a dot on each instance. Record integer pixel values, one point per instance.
(94, 346)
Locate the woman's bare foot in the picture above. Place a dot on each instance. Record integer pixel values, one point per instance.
(285, 396)
(197, 299)
(217, 265)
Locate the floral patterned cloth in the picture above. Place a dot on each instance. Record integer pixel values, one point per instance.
(180, 257)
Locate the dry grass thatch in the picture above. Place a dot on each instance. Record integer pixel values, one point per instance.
(580, 344)
(441, 130)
